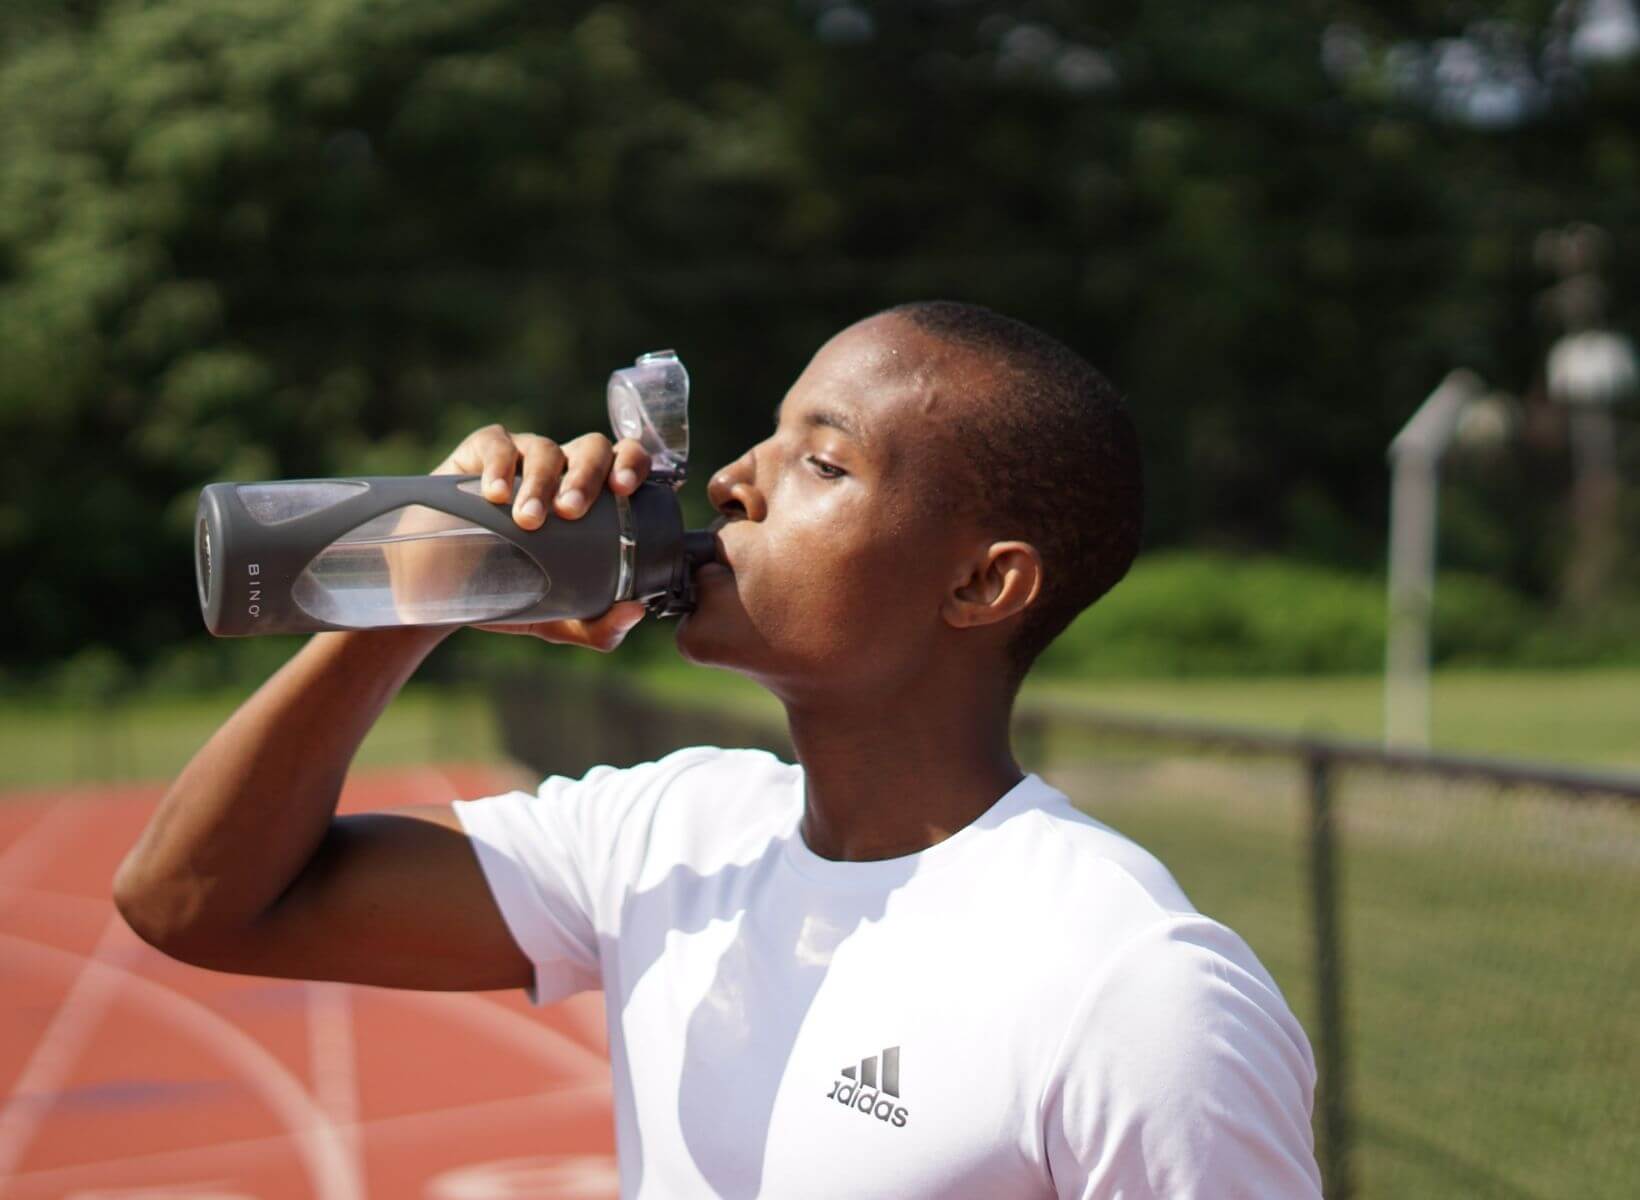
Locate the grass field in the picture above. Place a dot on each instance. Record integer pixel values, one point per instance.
(1490, 959)
(1590, 717)
(1586, 716)
(42, 744)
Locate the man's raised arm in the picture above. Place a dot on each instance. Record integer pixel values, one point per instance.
(246, 865)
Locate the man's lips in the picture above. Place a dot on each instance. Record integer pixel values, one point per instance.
(721, 555)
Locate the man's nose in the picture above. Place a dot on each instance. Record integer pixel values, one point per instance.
(733, 491)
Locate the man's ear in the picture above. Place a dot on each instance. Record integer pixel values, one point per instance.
(1001, 581)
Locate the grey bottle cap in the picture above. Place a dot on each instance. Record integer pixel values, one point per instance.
(649, 403)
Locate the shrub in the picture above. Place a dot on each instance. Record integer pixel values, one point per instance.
(1187, 613)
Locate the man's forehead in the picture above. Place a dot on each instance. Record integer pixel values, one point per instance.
(883, 375)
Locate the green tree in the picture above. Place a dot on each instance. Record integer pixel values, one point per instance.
(261, 238)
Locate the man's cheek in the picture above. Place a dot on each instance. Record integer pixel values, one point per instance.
(839, 590)
(803, 613)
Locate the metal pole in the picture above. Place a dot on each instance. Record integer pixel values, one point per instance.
(1333, 1051)
(1411, 601)
(1415, 457)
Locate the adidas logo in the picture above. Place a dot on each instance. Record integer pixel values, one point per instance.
(863, 1093)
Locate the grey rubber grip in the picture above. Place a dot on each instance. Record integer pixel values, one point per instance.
(246, 568)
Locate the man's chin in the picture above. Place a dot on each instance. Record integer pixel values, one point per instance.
(702, 641)
(717, 633)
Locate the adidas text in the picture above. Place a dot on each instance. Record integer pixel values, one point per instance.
(858, 1089)
(868, 1101)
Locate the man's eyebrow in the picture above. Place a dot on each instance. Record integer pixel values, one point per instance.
(831, 418)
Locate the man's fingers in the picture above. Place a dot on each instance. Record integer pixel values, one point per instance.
(565, 478)
(589, 459)
(468, 457)
(602, 633)
(488, 452)
(543, 463)
(610, 630)
(631, 466)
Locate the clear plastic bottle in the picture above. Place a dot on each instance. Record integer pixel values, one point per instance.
(296, 556)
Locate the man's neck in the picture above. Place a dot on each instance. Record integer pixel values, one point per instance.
(893, 777)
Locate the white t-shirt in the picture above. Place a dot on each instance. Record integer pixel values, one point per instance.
(1030, 1008)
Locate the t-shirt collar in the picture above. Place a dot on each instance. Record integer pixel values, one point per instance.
(1030, 792)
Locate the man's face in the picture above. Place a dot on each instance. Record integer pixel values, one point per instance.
(840, 558)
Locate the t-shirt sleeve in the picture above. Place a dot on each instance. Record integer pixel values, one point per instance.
(549, 859)
(1183, 1075)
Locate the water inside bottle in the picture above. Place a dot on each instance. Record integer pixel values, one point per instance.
(276, 503)
(416, 565)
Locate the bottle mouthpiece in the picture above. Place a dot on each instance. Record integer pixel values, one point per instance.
(699, 547)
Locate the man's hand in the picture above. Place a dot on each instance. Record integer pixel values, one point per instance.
(543, 481)
(246, 866)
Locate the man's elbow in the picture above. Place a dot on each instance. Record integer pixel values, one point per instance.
(165, 913)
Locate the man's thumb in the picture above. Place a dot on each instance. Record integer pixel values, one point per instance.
(621, 619)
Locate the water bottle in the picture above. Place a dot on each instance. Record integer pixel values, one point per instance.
(379, 552)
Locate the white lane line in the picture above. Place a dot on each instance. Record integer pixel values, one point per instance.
(443, 1127)
(83, 1005)
(556, 1050)
(317, 1141)
(59, 1047)
(332, 1060)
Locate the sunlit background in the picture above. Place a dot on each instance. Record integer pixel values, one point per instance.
(272, 239)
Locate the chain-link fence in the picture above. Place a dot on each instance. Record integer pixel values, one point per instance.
(1458, 935)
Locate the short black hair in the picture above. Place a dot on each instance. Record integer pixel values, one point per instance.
(1054, 460)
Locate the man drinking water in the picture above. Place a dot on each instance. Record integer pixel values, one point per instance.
(899, 967)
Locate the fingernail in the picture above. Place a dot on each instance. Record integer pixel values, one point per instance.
(626, 477)
(497, 487)
(572, 500)
(532, 508)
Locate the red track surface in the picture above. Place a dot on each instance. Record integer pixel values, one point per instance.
(126, 1075)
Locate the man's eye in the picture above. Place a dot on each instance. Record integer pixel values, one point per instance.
(826, 469)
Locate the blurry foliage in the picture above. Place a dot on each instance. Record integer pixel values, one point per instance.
(258, 238)
(1183, 614)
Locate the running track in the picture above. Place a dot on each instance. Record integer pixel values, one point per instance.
(127, 1076)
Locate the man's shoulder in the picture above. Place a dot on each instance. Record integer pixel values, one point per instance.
(1096, 865)
(1150, 958)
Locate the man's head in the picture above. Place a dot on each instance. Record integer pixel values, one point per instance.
(941, 481)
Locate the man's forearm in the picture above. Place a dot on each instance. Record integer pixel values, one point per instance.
(246, 815)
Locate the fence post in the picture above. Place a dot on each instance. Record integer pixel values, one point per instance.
(1333, 1057)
